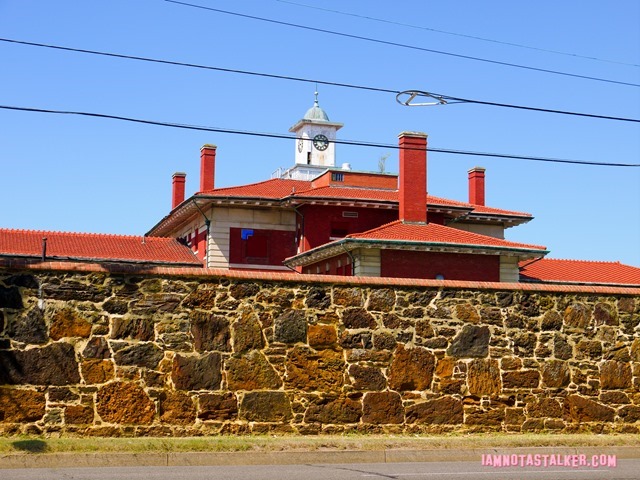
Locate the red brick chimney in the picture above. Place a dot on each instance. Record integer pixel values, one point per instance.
(412, 182)
(177, 189)
(476, 186)
(207, 167)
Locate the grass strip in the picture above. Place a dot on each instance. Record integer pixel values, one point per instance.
(36, 445)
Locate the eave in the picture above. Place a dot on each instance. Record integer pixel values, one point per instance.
(332, 249)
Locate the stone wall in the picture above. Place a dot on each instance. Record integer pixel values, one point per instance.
(97, 353)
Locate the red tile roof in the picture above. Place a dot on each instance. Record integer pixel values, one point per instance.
(579, 271)
(96, 247)
(276, 189)
(279, 189)
(434, 233)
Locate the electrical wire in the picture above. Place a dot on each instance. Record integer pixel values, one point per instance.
(304, 80)
(457, 34)
(291, 137)
(403, 45)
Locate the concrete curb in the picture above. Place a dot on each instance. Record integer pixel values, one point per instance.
(67, 460)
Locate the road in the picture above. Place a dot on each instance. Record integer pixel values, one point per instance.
(627, 469)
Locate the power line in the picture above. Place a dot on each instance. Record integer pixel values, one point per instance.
(291, 137)
(403, 45)
(304, 80)
(457, 34)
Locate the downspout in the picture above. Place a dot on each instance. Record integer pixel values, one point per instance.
(353, 261)
(207, 223)
(295, 209)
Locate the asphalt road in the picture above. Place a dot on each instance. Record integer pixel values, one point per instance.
(627, 469)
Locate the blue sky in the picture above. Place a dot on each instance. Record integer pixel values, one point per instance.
(98, 175)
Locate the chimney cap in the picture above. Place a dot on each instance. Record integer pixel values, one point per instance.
(179, 174)
(412, 134)
(208, 145)
(477, 169)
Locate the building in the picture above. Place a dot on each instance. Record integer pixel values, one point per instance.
(320, 218)
(316, 217)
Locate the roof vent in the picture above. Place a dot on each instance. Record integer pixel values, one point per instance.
(346, 166)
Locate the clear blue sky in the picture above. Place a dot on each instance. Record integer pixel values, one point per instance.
(97, 175)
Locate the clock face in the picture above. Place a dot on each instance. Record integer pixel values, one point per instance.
(320, 142)
(300, 144)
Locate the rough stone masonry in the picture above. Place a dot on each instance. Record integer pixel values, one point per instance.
(106, 354)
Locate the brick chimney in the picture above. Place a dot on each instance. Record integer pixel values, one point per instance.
(476, 186)
(412, 181)
(207, 167)
(177, 189)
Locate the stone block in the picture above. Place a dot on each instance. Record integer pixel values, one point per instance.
(521, 379)
(581, 409)
(218, 406)
(79, 414)
(555, 374)
(19, 405)
(210, 332)
(54, 364)
(605, 314)
(411, 369)
(483, 377)
(471, 342)
(309, 370)
(197, 372)
(96, 371)
(132, 329)
(318, 298)
(333, 410)
(577, 316)
(367, 378)
(29, 327)
(322, 336)
(467, 313)
(251, 372)
(125, 403)
(291, 327)
(247, 333)
(382, 408)
(358, 318)
(444, 410)
(615, 375)
(348, 296)
(139, 355)
(176, 408)
(381, 300)
(266, 407)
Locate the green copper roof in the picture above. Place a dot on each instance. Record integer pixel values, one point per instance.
(316, 113)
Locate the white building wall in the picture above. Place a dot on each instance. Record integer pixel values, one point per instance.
(366, 262)
(509, 271)
(496, 231)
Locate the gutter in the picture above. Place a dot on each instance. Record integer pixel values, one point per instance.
(351, 243)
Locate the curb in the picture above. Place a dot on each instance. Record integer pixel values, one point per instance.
(182, 459)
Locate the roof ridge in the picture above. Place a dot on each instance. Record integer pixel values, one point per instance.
(612, 262)
(254, 184)
(381, 227)
(79, 234)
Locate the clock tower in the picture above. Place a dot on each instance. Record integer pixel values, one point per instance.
(315, 141)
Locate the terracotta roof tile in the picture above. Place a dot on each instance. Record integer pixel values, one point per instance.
(579, 271)
(96, 247)
(434, 233)
(276, 188)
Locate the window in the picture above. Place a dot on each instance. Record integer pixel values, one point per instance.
(339, 229)
(337, 177)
